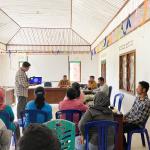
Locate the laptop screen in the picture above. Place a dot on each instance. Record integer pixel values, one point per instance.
(35, 80)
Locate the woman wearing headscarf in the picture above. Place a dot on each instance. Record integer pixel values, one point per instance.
(99, 111)
(7, 109)
(13, 126)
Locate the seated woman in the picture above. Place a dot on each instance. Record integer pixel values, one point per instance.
(72, 101)
(8, 109)
(80, 94)
(39, 104)
(99, 111)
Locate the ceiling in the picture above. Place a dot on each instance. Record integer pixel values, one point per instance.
(28, 21)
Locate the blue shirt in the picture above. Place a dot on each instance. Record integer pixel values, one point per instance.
(46, 108)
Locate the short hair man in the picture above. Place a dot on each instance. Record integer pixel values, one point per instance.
(140, 111)
(64, 83)
(38, 137)
(21, 87)
(102, 86)
(92, 83)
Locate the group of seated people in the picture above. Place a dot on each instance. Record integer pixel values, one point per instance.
(39, 137)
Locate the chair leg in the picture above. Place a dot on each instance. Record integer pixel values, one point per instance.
(143, 139)
(129, 139)
(148, 140)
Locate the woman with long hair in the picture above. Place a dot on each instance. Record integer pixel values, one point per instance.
(39, 104)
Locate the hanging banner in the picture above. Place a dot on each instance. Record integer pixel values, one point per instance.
(140, 16)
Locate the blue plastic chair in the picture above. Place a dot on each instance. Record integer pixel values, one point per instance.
(110, 90)
(142, 131)
(69, 115)
(120, 96)
(6, 119)
(32, 116)
(102, 127)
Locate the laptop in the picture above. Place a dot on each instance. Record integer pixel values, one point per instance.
(35, 80)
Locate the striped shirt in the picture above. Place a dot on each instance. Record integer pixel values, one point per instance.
(21, 83)
(139, 112)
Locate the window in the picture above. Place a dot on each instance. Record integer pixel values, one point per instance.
(103, 69)
(127, 72)
(75, 71)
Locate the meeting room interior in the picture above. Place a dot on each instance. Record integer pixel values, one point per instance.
(74, 74)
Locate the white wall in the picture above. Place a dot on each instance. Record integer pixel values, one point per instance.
(140, 40)
(50, 67)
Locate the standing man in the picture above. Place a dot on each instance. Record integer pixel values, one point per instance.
(21, 87)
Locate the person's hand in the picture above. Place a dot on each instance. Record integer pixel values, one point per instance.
(82, 139)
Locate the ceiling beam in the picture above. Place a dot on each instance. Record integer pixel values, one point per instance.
(81, 36)
(9, 17)
(71, 16)
(110, 22)
(42, 45)
(43, 28)
(13, 36)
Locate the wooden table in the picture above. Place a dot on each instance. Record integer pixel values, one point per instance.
(52, 95)
(119, 118)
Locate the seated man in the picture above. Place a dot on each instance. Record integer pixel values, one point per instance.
(140, 111)
(38, 137)
(103, 87)
(64, 83)
(92, 83)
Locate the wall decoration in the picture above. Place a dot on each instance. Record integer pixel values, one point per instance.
(139, 17)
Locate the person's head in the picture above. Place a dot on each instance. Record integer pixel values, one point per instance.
(65, 77)
(25, 66)
(1, 96)
(76, 86)
(40, 99)
(101, 81)
(101, 99)
(38, 137)
(92, 78)
(71, 93)
(142, 88)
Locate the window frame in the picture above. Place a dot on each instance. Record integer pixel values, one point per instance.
(127, 55)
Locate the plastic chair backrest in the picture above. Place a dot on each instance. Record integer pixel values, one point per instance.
(110, 90)
(120, 96)
(5, 117)
(65, 131)
(70, 115)
(102, 127)
(31, 116)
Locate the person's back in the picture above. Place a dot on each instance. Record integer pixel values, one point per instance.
(99, 111)
(46, 108)
(39, 104)
(71, 102)
(5, 136)
(38, 137)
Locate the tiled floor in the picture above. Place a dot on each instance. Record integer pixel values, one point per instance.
(136, 140)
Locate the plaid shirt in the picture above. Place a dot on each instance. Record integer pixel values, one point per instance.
(139, 112)
(21, 83)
